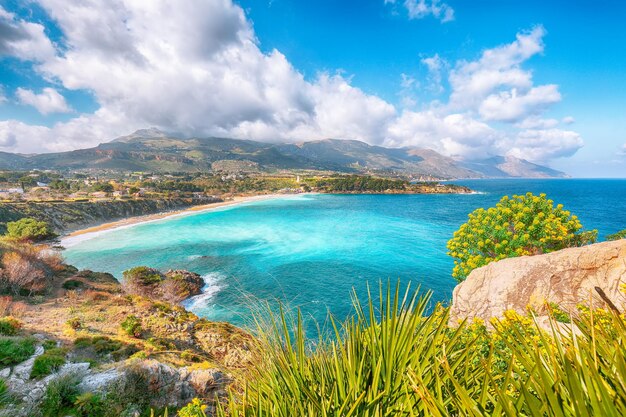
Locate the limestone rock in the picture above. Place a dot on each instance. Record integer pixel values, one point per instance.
(99, 381)
(177, 386)
(567, 277)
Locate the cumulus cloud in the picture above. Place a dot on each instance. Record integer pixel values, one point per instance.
(196, 68)
(456, 135)
(544, 145)
(500, 67)
(536, 122)
(46, 102)
(22, 39)
(512, 106)
(419, 9)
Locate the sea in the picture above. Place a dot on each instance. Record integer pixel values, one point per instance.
(316, 252)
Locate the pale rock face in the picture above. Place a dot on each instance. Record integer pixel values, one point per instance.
(567, 277)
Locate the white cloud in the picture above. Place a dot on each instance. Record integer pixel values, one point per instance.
(22, 39)
(197, 69)
(544, 145)
(536, 122)
(512, 106)
(48, 101)
(453, 134)
(497, 68)
(436, 66)
(568, 120)
(419, 9)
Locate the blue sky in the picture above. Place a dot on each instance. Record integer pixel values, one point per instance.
(541, 80)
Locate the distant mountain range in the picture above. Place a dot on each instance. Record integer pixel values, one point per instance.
(154, 151)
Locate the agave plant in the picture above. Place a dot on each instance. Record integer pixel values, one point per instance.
(392, 359)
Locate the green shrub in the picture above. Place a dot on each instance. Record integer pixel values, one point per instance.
(15, 350)
(60, 396)
(522, 225)
(49, 344)
(89, 405)
(617, 236)
(29, 229)
(132, 326)
(72, 284)
(48, 362)
(141, 280)
(10, 326)
(74, 323)
(5, 395)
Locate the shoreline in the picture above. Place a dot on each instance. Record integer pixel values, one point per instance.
(74, 237)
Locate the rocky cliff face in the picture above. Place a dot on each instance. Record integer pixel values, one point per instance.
(65, 216)
(566, 277)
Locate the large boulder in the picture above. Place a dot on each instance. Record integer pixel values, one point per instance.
(567, 277)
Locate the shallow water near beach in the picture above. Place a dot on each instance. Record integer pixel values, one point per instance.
(309, 251)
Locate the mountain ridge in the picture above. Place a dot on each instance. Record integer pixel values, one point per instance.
(155, 151)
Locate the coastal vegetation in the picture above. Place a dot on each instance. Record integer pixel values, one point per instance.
(394, 358)
(618, 235)
(30, 229)
(397, 355)
(74, 200)
(517, 226)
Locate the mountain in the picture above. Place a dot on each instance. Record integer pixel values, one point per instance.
(510, 166)
(155, 151)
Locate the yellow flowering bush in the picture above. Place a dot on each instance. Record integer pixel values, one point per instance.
(516, 226)
(196, 408)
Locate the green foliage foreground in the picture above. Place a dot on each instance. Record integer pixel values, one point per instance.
(394, 360)
(521, 225)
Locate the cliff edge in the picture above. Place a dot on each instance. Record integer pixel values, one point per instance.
(567, 277)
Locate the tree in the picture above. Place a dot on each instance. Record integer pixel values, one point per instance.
(105, 187)
(29, 229)
(517, 226)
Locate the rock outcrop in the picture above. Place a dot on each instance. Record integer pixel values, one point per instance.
(567, 277)
(64, 216)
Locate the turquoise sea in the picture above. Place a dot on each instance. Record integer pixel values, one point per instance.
(309, 251)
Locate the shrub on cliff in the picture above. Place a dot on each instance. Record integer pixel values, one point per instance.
(25, 268)
(29, 229)
(179, 285)
(132, 326)
(10, 326)
(617, 236)
(48, 362)
(517, 226)
(141, 280)
(174, 286)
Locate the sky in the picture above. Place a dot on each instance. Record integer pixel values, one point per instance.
(540, 80)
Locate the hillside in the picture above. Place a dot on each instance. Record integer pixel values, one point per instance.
(509, 166)
(152, 150)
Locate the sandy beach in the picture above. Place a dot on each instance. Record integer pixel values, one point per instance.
(73, 237)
